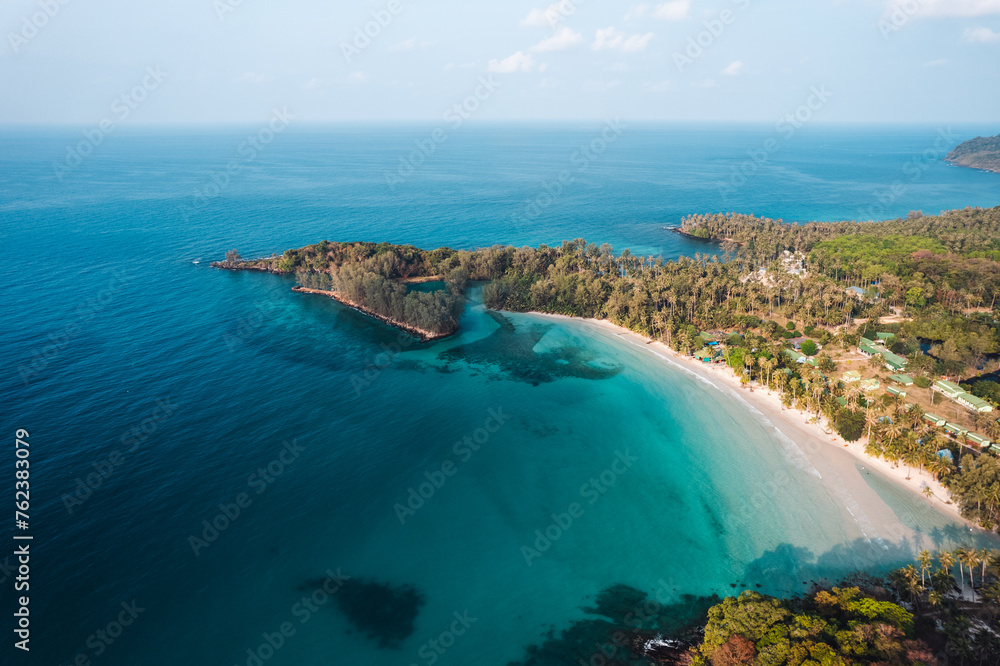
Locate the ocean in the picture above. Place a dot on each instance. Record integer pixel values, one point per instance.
(226, 472)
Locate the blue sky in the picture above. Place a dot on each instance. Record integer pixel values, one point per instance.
(72, 61)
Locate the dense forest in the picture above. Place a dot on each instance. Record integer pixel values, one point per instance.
(980, 153)
(931, 281)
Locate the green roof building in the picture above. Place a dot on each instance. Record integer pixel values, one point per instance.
(955, 429)
(892, 361)
(868, 348)
(934, 419)
(980, 440)
(885, 337)
(867, 385)
(904, 380)
(950, 389)
(851, 376)
(973, 403)
(895, 391)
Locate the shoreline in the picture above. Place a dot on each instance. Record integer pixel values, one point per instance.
(801, 428)
(419, 333)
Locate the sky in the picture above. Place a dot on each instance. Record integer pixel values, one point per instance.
(212, 61)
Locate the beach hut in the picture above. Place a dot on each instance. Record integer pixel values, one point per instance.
(934, 419)
(903, 380)
(851, 376)
(895, 391)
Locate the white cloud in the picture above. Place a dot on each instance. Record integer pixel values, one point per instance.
(408, 45)
(980, 36)
(704, 85)
(936, 63)
(610, 39)
(560, 41)
(254, 77)
(599, 86)
(639, 11)
(357, 77)
(734, 68)
(465, 65)
(675, 10)
(662, 86)
(519, 61)
(313, 84)
(964, 8)
(551, 16)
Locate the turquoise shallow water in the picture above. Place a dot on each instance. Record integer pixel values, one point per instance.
(678, 484)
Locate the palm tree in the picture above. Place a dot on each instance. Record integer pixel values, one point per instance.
(924, 558)
(971, 560)
(960, 556)
(947, 560)
(928, 493)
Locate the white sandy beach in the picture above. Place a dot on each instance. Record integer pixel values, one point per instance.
(838, 463)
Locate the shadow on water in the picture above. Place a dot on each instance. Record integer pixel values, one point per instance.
(623, 619)
(512, 350)
(383, 613)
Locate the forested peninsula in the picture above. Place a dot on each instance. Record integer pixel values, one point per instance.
(983, 152)
(787, 306)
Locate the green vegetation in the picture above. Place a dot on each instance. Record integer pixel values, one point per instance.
(828, 628)
(979, 153)
(809, 348)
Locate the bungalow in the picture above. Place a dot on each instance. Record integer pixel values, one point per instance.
(895, 391)
(904, 380)
(883, 338)
(979, 440)
(868, 348)
(800, 358)
(851, 376)
(857, 292)
(704, 355)
(955, 430)
(949, 389)
(893, 362)
(867, 385)
(973, 403)
(934, 419)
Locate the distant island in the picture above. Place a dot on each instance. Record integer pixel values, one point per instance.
(980, 153)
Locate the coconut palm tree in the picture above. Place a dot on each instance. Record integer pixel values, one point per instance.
(971, 560)
(928, 493)
(924, 558)
(947, 560)
(960, 557)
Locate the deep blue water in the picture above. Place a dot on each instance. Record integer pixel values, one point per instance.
(115, 324)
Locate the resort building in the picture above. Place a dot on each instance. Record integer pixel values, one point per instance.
(895, 391)
(851, 376)
(867, 348)
(973, 403)
(934, 419)
(884, 338)
(903, 380)
(869, 385)
(799, 358)
(979, 440)
(955, 430)
(892, 361)
(949, 389)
